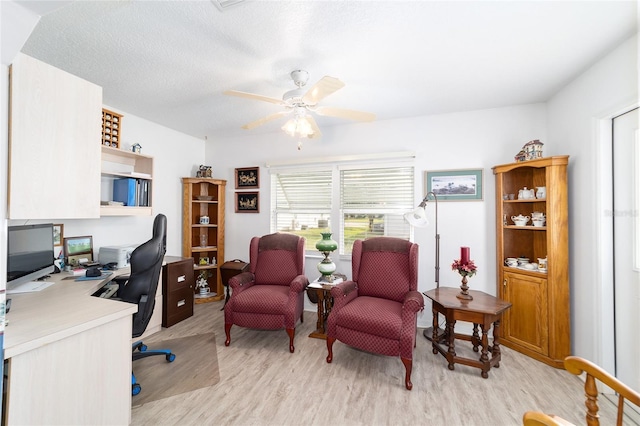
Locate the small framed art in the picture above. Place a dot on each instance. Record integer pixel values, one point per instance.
(248, 178)
(247, 202)
(58, 234)
(455, 185)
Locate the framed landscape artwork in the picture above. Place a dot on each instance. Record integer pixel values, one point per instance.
(58, 234)
(248, 178)
(455, 185)
(247, 202)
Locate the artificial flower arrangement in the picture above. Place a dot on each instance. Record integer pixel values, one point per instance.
(467, 269)
(201, 282)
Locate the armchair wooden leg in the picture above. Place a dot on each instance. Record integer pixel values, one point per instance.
(291, 332)
(330, 341)
(407, 377)
(227, 331)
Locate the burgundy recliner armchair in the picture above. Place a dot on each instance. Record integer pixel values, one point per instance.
(377, 310)
(270, 296)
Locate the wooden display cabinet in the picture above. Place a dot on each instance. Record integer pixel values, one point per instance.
(204, 197)
(538, 323)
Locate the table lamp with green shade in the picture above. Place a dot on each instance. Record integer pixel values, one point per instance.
(326, 267)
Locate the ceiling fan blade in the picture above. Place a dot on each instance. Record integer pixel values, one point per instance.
(316, 131)
(345, 113)
(253, 96)
(323, 88)
(264, 120)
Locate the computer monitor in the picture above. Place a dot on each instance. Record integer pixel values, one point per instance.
(29, 253)
(77, 249)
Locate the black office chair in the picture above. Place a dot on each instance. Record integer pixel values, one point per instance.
(140, 288)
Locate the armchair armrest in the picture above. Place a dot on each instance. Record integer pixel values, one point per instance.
(241, 282)
(299, 284)
(344, 293)
(413, 301)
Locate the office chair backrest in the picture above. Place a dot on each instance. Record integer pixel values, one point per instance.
(146, 262)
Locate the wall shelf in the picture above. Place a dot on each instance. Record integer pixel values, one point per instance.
(116, 164)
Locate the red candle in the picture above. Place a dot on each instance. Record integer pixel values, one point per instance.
(464, 255)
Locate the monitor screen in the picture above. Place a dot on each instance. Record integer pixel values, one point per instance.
(77, 249)
(29, 252)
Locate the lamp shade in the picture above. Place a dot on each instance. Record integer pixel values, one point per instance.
(417, 217)
(298, 126)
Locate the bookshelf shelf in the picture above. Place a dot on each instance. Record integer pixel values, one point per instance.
(118, 164)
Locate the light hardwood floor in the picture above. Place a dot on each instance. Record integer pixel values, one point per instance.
(261, 383)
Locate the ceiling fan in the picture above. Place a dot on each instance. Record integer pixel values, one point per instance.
(301, 102)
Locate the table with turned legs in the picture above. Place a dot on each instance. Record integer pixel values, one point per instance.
(484, 311)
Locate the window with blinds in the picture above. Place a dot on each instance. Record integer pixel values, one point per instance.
(302, 203)
(373, 202)
(370, 202)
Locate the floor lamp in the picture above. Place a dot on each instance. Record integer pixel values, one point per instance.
(418, 219)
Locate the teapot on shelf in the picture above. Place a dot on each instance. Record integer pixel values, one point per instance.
(541, 192)
(526, 194)
(520, 220)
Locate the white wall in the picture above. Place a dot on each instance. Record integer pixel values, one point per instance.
(175, 155)
(575, 115)
(474, 139)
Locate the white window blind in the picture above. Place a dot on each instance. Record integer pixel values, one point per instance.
(302, 203)
(373, 202)
(367, 202)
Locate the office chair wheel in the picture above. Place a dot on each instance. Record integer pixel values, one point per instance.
(135, 389)
(170, 357)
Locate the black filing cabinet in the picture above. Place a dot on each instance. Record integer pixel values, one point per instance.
(177, 290)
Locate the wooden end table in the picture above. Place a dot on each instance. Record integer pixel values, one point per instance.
(325, 303)
(484, 311)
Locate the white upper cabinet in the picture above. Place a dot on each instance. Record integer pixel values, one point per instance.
(54, 143)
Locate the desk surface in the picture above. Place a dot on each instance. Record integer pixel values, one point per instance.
(61, 310)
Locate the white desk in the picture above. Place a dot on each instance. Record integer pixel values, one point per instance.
(69, 356)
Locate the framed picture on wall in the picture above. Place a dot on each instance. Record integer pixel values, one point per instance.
(248, 178)
(455, 185)
(58, 234)
(247, 202)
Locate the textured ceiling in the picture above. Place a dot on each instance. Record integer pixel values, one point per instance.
(170, 61)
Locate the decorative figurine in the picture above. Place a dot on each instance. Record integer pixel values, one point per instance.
(532, 150)
(136, 147)
(204, 171)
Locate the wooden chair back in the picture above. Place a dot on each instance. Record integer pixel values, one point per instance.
(577, 366)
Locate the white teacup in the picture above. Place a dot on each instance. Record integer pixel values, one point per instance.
(538, 223)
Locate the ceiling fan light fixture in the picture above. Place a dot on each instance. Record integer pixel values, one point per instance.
(298, 126)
